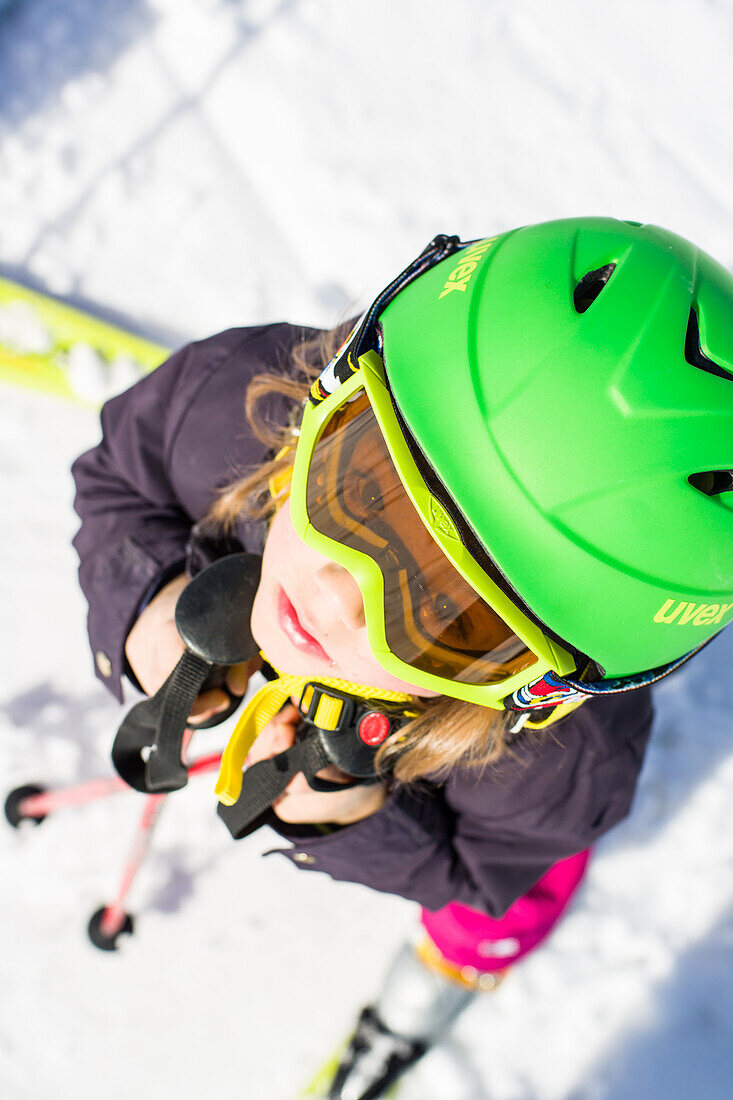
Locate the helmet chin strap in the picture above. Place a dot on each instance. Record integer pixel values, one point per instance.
(342, 724)
(265, 704)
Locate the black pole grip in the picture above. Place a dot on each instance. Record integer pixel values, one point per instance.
(158, 725)
(213, 618)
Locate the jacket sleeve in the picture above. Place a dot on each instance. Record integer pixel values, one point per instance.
(484, 839)
(167, 444)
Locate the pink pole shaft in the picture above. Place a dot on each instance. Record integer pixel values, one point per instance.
(114, 915)
(37, 805)
(41, 805)
(205, 764)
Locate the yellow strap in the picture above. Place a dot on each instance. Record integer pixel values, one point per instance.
(262, 708)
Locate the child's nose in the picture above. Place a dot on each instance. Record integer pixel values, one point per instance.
(341, 594)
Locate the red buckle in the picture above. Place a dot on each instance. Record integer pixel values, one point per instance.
(373, 728)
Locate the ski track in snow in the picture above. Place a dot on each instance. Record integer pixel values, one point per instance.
(194, 164)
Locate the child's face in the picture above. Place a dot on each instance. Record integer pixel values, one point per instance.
(308, 614)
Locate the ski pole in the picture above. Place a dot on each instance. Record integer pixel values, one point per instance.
(112, 921)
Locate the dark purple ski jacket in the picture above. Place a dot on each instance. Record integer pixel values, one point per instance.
(481, 839)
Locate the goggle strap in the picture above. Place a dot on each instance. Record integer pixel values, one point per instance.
(346, 360)
(549, 690)
(552, 690)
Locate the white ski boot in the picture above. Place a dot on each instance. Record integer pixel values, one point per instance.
(422, 996)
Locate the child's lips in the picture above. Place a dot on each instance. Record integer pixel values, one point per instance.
(295, 631)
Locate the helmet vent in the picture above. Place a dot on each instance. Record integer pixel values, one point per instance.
(712, 482)
(694, 354)
(590, 286)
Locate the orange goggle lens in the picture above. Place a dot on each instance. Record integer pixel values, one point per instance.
(434, 620)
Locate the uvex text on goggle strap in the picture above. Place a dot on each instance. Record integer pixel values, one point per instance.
(436, 616)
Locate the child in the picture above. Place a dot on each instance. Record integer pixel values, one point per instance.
(507, 496)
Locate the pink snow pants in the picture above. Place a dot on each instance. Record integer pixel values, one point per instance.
(467, 937)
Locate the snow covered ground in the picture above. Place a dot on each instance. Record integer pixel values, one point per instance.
(193, 164)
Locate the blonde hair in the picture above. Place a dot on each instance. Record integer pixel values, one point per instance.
(446, 732)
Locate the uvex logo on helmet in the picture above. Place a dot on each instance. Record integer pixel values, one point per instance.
(464, 269)
(681, 612)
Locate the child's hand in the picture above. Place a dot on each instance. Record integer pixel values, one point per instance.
(299, 803)
(154, 647)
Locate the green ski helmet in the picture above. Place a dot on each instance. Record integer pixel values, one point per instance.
(566, 390)
(586, 366)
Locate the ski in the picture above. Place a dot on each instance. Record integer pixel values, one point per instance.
(48, 345)
(317, 1088)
